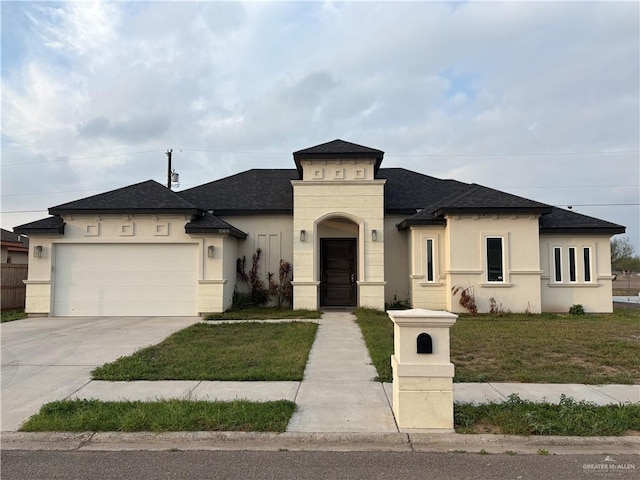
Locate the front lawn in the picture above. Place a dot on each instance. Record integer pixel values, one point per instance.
(161, 416)
(591, 349)
(568, 418)
(230, 351)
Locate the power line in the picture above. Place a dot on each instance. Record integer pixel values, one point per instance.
(23, 211)
(192, 185)
(572, 205)
(417, 155)
(81, 158)
(527, 154)
(570, 186)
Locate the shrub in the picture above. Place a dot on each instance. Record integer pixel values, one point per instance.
(467, 299)
(576, 310)
(259, 293)
(283, 290)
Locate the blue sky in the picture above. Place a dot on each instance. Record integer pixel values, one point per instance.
(539, 99)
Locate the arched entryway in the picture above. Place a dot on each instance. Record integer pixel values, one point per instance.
(337, 238)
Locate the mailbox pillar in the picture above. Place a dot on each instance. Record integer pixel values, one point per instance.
(422, 381)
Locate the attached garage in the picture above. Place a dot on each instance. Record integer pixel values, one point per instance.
(125, 280)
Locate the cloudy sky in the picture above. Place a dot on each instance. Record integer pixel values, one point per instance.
(539, 99)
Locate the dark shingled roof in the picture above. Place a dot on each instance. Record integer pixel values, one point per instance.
(49, 226)
(208, 223)
(250, 192)
(564, 221)
(422, 198)
(407, 191)
(10, 237)
(477, 198)
(145, 197)
(337, 149)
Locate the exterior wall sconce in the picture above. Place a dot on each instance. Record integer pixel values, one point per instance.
(210, 251)
(37, 251)
(374, 235)
(302, 235)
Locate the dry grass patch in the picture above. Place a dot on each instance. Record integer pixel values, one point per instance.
(593, 349)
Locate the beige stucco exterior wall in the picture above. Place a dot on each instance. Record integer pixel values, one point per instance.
(273, 234)
(594, 296)
(338, 189)
(429, 295)
(396, 260)
(465, 261)
(214, 288)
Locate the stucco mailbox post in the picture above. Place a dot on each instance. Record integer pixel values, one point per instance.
(422, 369)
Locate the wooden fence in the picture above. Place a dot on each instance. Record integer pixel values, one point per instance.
(13, 290)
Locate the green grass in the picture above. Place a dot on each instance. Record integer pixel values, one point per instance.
(571, 418)
(11, 315)
(241, 351)
(592, 349)
(161, 416)
(377, 330)
(264, 313)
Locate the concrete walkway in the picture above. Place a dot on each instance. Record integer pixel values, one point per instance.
(337, 394)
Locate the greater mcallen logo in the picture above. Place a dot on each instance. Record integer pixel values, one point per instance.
(609, 464)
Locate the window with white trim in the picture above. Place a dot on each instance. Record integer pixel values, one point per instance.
(586, 256)
(557, 264)
(430, 263)
(572, 264)
(495, 259)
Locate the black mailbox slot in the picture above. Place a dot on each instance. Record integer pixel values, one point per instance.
(424, 343)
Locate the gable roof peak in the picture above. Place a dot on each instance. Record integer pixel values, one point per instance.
(144, 197)
(338, 149)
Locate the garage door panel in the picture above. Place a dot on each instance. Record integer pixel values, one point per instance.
(126, 280)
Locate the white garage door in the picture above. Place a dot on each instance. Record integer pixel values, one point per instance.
(125, 280)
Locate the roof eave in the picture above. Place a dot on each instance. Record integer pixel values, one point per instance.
(583, 230)
(406, 224)
(106, 211)
(59, 230)
(492, 210)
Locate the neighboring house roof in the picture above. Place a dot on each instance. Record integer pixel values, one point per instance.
(13, 241)
(337, 148)
(49, 226)
(144, 197)
(208, 223)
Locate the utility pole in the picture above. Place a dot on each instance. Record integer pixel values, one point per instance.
(169, 152)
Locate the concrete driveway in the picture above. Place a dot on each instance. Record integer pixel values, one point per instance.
(46, 359)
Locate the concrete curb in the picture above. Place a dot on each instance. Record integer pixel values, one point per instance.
(396, 442)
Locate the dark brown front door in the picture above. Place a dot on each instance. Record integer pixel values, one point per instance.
(338, 272)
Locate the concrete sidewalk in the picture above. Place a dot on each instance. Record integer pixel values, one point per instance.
(266, 391)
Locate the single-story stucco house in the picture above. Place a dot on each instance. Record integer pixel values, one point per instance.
(14, 248)
(356, 234)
